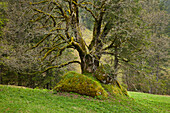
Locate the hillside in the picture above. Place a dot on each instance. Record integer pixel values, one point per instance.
(14, 99)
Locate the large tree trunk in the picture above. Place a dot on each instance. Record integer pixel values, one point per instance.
(88, 63)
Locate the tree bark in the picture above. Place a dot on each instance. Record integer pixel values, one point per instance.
(1, 82)
(116, 62)
(88, 63)
(19, 79)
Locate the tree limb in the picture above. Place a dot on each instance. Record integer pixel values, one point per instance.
(111, 45)
(40, 41)
(60, 66)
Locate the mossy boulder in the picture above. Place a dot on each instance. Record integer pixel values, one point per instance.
(89, 85)
(82, 84)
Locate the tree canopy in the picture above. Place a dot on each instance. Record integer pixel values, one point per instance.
(125, 37)
(116, 25)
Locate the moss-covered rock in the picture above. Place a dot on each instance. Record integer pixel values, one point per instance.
(78, 83)
(89, 85)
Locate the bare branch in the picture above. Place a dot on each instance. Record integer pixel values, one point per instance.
(108, 53)
(87, 9)
(56, 46)
(60, 66)
(40, 41)
(106, 30)
(51, 16)
(111, 45)
(36, 3)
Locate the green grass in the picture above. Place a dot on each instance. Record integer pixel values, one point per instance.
(158, 102)
(15, 100)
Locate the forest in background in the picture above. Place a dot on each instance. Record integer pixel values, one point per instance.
(144, 68)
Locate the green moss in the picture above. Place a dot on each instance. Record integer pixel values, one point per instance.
(100, 74)
(103, 74)
(78, 83)
(112, 86)
(89, 85)
(124, 91)
(114, 89)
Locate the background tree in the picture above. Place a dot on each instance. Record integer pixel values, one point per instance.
(18, 35)
(151, 66)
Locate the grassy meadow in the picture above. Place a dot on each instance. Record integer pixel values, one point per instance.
(26, 100)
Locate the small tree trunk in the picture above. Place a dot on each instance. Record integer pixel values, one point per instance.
(116, 63)
(19, 80)
(1, 74)
(127, 81)
(150, 84)
(157, 69)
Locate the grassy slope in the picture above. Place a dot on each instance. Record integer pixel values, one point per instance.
(42, 101)
(159, 102)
